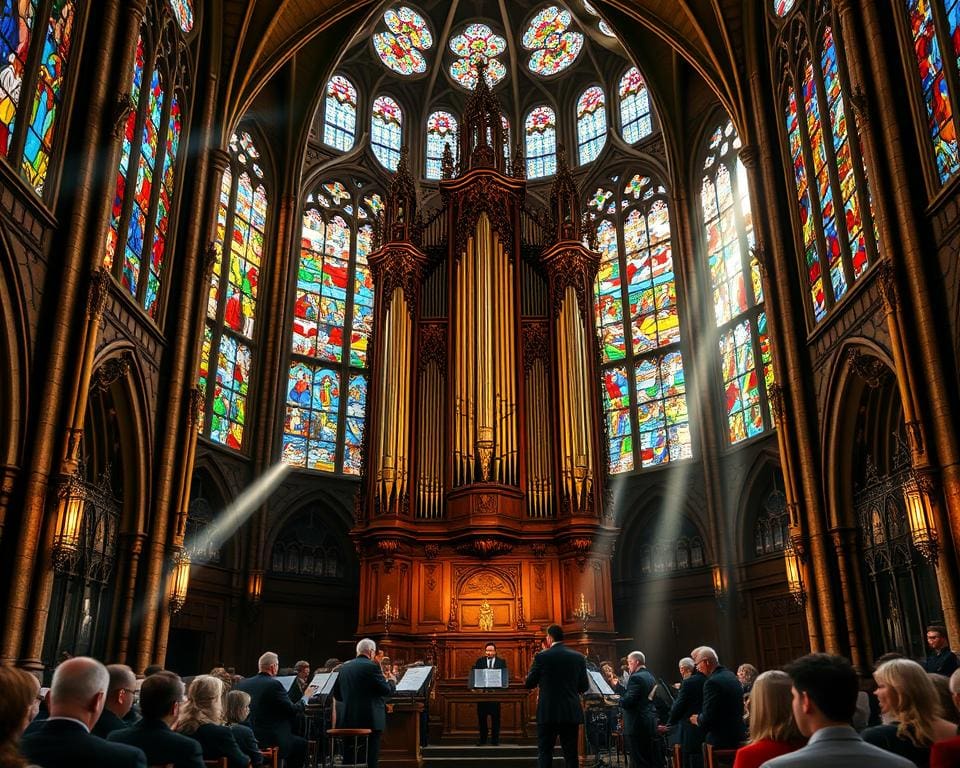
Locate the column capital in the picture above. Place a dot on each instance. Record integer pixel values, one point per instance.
(887, 285)
(748, 156)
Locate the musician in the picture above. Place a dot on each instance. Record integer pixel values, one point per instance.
(489, 709)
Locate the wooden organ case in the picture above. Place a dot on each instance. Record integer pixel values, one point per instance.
(481, 514)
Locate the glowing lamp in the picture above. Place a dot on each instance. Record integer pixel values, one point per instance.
(583, 614)
(719, 585)
(794, 580)
(923, 532)
(180, 581)
(70, 508)
(255, 590)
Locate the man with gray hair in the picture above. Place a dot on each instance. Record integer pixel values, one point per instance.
(363, 690)
(77, 697)
(123, 687)
(688, 702)
(272, 714)
(639, 714)
(721, 715)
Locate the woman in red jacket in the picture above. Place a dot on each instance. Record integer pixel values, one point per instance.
(773, 731)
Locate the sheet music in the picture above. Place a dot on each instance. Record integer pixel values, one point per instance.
(601, 684)
(286, 681)
(413, 679)
(322, 683)
(491, 678)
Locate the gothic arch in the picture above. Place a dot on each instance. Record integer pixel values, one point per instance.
(14, 346)
(322, 501)
(754, 485)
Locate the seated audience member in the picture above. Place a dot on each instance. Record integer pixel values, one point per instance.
(329, 665)
(948, 707)
(201, 718)
(224, 677)
(773, 731)
(941, 661)
(236, 715)
(76, 700)
(824, 698)
(721, 715)
(946, 754)
(907, 695)
(119, 700)
(746, 674)
(152, 669)
(18, 707)
(272, 714)
(688, 702)
(160, 697)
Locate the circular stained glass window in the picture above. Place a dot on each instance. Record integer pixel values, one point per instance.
(555, 46)
(401, 45)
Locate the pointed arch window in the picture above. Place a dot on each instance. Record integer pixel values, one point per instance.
(340, 114)
(591, 124)
(183, 10)
(441, 130)
(145, 184)
(35, 66)
(541, 132)
(745, 361)
(644, 387)
(227, 354)
(636, 121)
(326, 387)
(386, 132)
(783, 7)
(835, 210)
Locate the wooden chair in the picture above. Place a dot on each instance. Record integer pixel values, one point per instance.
(353, 737)
(677, 757)
(718, 758)
(271, 757)
(219, 763)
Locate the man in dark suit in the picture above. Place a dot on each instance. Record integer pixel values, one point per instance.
(160, 697)
(721, 716)
(640, 714)
(561, 674)
(941, 661)
(490, 709)
(362, 688)
(119, 700)
(689, 702)
(272, 714)
(299, 685)
(76, 701)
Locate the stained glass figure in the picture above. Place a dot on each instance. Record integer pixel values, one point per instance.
(663, 422)
(541, 142)
(740, 382)
(183, 10)
(16, 29)
(164, 204)
(477, 42)
(340, 114)
(353, 436)
(386, 132)
(555, 47)
(441, 131)
(229, 393)
(609, 294)
(783, 7)
(635, 117)
(400, 46)
(591, 124)
(311, 417)
(616, 407)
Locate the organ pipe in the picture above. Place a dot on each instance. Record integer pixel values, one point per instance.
(539, 484)
(430, 479)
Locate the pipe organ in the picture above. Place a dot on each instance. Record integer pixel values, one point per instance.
(484, 452)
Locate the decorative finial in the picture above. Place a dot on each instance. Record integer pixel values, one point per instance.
(446, 162)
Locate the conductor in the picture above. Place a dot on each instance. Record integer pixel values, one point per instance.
(561, 674)
(490, 709)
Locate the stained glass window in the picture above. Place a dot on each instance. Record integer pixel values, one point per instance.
(183, 10)
(332, 320)
(400, 46)
(783, 7)
(835, 209)
(232, 298)
(340, 114)
(616, 406)
(386, 132)
(591, 124)
(475, 43)
(541, 134)
(635, 117)
(555, 46)
(441, 130)
(34, 66)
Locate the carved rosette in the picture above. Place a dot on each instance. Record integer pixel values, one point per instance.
(869, 368)
(110, 371)
(572, 267)
(433, 347)
(398, 267)
(484, 547)
(536, 344)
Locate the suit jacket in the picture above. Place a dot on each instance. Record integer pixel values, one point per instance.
(838, 745)
(217, 741)
(945, 754)
(247, 742)
(272, 714)
(561, 674)
(295, 691)
(689, 702)
(66, 744)
(160, 744)
(721, 716)
(639, 712)
(363, 689)
(107, 723)
(942, 663)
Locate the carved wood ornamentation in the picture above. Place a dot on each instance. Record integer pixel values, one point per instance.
(536, 344)
(869, 368)
(484, 196)
(572, 267)
(111, 371)
(398, 267)
(433, 347)
(484, 547)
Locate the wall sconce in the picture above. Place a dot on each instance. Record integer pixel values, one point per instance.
(923, 532)
(255, 587)
(720, 587)
(794, 574)
(179, 581)
(582, 614)
(388, 614)
(70, 507)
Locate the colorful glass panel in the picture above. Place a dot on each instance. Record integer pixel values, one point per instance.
(477, 42)
(228, 407)
(441, 130)
(386, 132)
(165, 200)
(183, 10)
(663, 423)
(609, 294)
(361, 321)
(605, 29)
(591, 124)
(541, 135)
(783, 7)
(311, 417)
(616, 408)
(353, 432)
(223, 211)
(555, 47)
(16, 29)
(399, 48)
(635, 117)
(340, 114)
(740, 382)
(724, 254)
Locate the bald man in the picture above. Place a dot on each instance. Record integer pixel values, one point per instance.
(77, 696)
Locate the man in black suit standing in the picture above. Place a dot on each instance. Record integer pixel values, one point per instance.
(490, 709)
(160, 697)
(362, 688)
(689, 702)
(639, 714)
(721, 716)
(76, 701)
(561, 674)
(272, 714)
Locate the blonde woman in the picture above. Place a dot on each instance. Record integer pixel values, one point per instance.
(238, 721)
(773, 731)
(201, 718)
(910, 700)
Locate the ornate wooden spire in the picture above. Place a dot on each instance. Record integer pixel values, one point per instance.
(481, 136)
(402, 218)
(564, 201)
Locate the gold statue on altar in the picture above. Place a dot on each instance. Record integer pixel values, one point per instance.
(485, 619)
